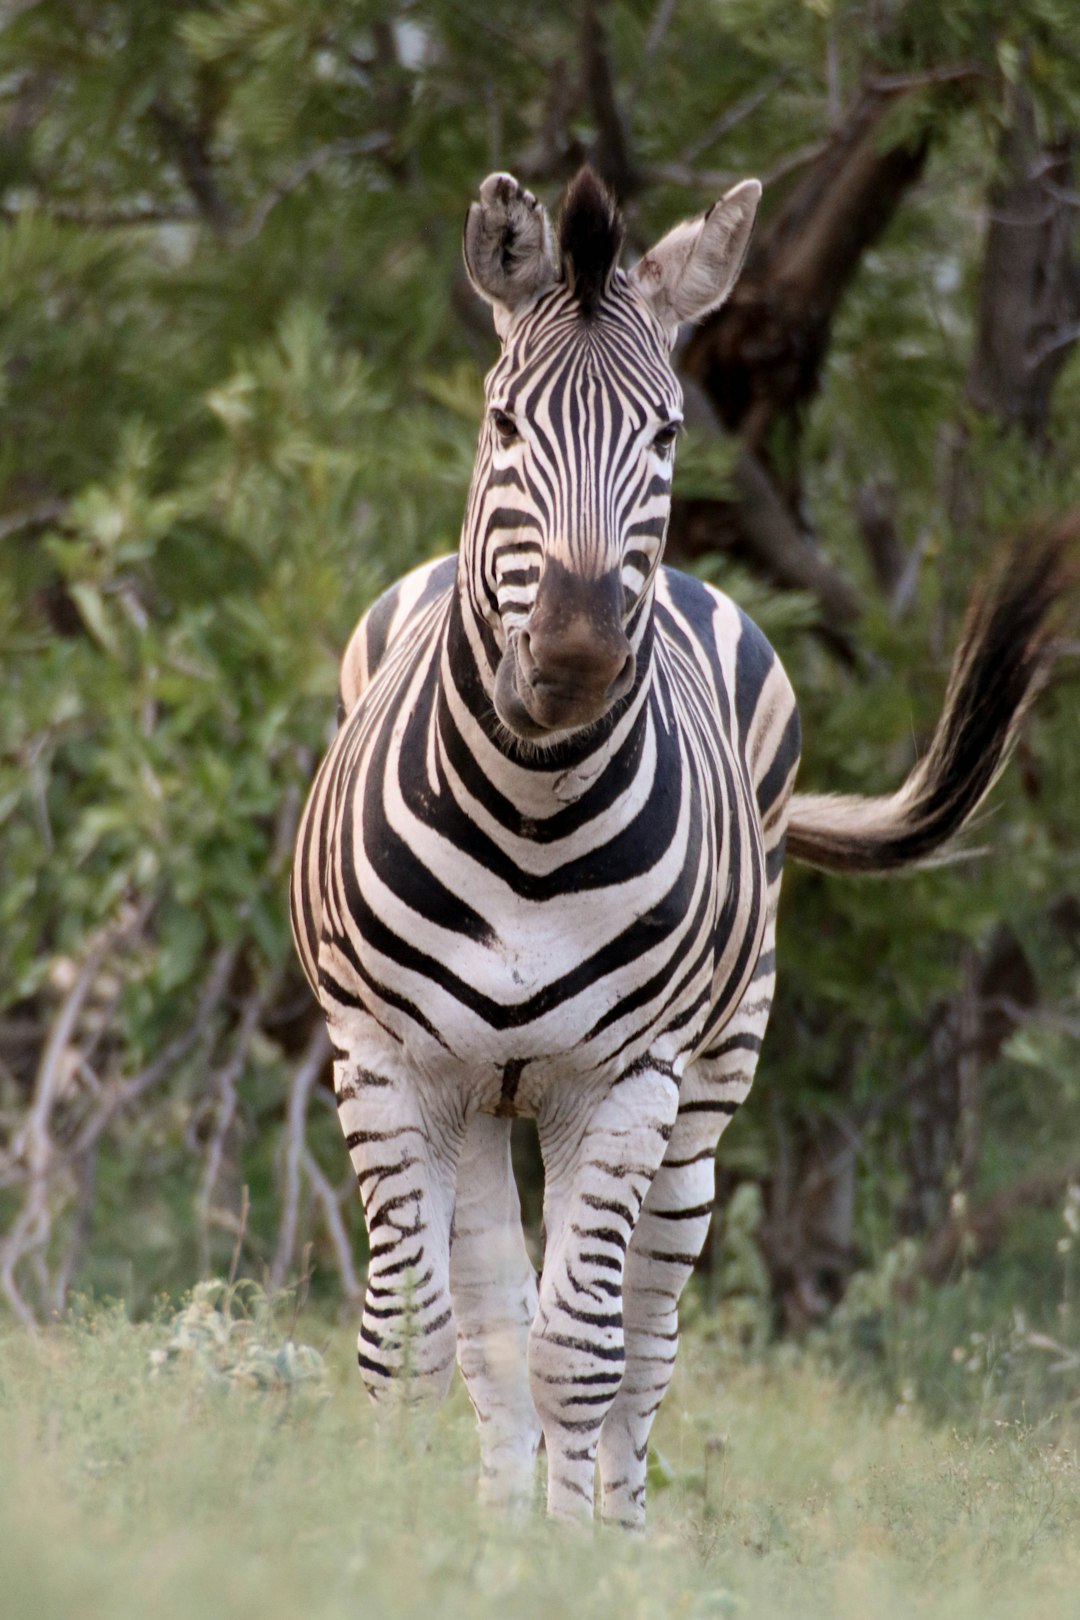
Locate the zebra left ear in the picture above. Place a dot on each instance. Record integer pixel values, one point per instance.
(509, 247)
(693, 268)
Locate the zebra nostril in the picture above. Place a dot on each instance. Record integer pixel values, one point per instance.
(526, 661)
(624, 680)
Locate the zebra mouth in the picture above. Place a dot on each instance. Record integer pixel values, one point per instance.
(549, 705)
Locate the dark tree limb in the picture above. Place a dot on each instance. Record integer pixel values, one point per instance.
(611, 155)
(1029, 295)
(875, 513)
(32, 519)
(304, 1077)
(971, 1236)
(806, 1236)
(377, 144)
(760, 356)
(759, 359)
(758, 527)
(942, 1090)
(188, 146)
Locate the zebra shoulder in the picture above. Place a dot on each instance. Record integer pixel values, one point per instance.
(385, 620)
(756, 698)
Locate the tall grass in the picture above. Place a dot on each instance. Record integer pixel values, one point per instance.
(201, 1466)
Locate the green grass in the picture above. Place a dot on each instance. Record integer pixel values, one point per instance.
(233, 1481)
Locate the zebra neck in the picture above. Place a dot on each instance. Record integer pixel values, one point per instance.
(528, 775)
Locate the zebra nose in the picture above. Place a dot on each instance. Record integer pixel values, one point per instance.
(576, 662)
(573, 659)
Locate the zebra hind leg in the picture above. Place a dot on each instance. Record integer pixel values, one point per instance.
(404, 1151)
(494, 1291)
(597, 1173)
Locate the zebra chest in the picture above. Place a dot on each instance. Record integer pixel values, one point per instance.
(472, 933)
(550, 962)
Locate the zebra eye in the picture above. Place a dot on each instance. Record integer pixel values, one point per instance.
(663, 441)
(505, 427)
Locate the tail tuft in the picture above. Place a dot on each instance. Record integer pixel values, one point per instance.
(1005, 654)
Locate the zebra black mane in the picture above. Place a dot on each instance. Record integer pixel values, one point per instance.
(590, 238)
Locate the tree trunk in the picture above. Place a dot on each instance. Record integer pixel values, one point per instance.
(759, 358)
(1029, 295)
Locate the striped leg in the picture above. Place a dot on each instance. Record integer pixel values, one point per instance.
(596, 1180)
(404, 1148)
(666, 1244)
(494, 1291)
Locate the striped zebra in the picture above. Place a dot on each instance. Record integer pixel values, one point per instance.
(539, 868)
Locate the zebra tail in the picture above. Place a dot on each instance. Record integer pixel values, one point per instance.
(1006, 650)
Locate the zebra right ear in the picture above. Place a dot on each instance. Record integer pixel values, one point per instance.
(509, 247)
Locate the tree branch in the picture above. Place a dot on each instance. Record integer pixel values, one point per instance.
(760, 357)
(759, 526)
(611, 154)
(42, 515)
(189, 149)
(1029, 295)
(971, 1236)
(335, 1226)
(295, 176)
(304, 1077)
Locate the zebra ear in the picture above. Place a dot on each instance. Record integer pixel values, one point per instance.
(509, 247)
(693, 268)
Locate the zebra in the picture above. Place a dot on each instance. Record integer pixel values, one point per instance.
(538, 871)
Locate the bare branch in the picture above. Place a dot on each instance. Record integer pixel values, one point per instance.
(875, 513)
(761, 526)
(793, 161)
(729, 119)
(34, 1146)
(1063, 194)
(611, 152)
(42, 515)
(718, 180)
(335, 1226)
(241, 1229)
(189, 149)
(305, 1076)
(1063, 338)
(132, 214)
(661, 19)
(889, 83)
(332, 152)
(225, 1080)
(120, 1094)
(706, 181)
(1029, 293)
(86, 1176)
(972, 1235)
(832, 75)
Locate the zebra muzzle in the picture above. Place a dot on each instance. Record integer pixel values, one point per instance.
(571, 662)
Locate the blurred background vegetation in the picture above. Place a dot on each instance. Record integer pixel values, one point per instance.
(240, 381)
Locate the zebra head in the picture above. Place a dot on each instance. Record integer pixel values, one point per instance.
(571, 492)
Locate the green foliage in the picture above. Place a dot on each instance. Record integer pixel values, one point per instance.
(228, 1333)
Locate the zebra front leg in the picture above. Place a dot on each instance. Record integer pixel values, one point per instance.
(665, 1247)
(494, 1291)
(597, 1173)
(667, 1241)
(404, 1146)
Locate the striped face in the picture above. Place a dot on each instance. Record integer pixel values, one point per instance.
(569, 504)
